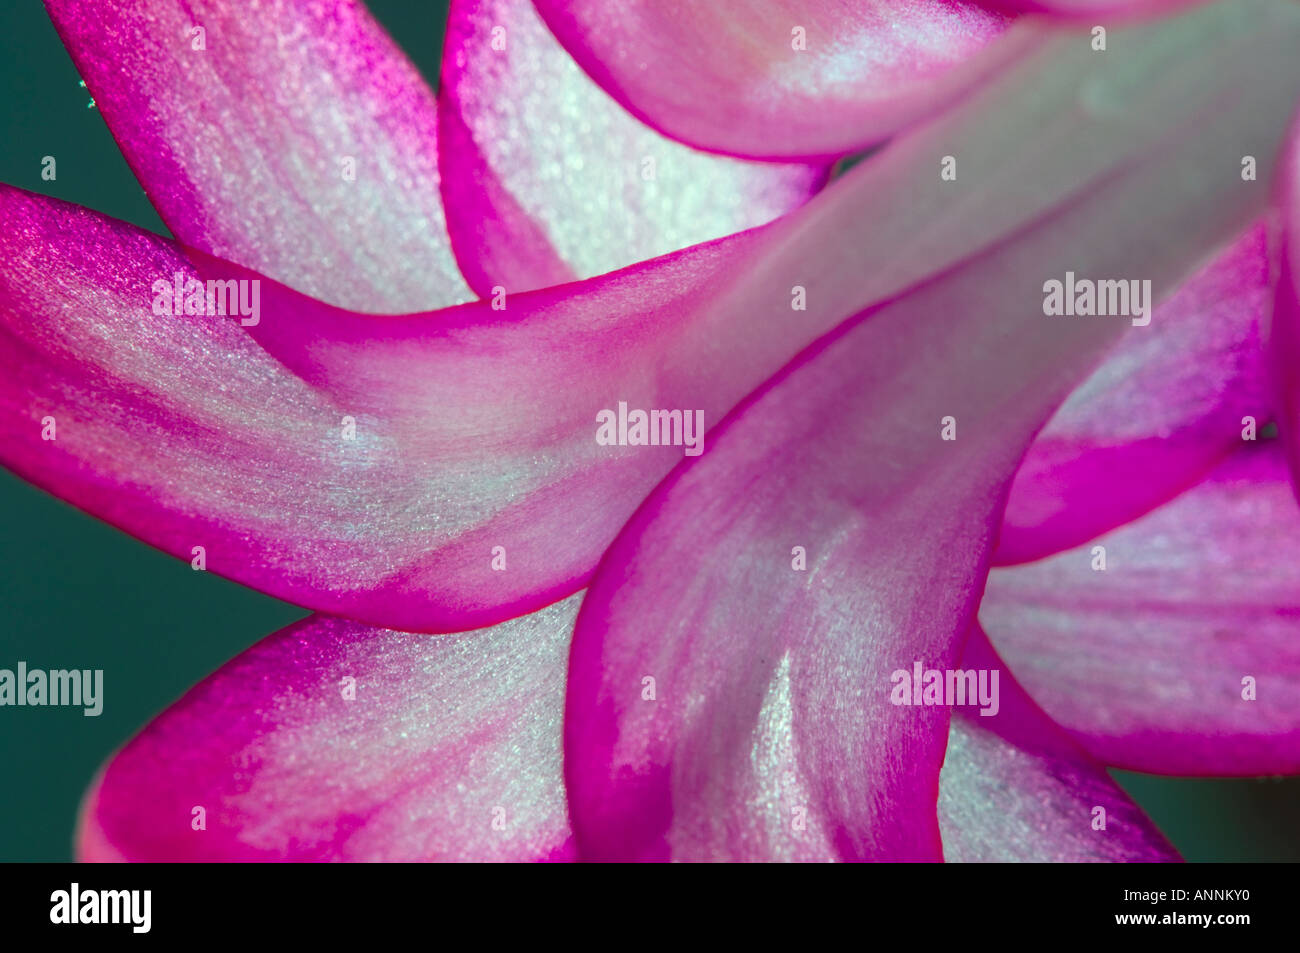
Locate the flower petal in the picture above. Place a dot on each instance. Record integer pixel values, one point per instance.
(1015, 787)
(545, 178)
(1167, 405)
(771, 699)
(780, 78)
(1144, 662)
(772, 686)
(476, 429)
(299, 141)
(448, 749)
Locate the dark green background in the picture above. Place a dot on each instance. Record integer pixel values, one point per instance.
(76, 594)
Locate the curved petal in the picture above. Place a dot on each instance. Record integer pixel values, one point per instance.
(330, 740)
(412, 460)
(1167, 405)
(546, 179)
(882, 457)
(779, 78)
(1016, 788)
(1146, 660)
(477, 429)
(298, 141)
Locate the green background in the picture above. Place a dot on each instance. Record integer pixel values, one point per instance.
(77, 594)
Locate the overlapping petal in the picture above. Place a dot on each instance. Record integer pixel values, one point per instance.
(545, 178)
(792, 700)
(475, 428)
(777, 78)
(1182, 654)
(331, 740)
(184, 431)
(1016, 788)
(1168, 404)
(771, 732)
(294, 138)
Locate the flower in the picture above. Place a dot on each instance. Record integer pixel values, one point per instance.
(659, 657)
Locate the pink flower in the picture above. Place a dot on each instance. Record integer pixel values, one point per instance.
(656, 655)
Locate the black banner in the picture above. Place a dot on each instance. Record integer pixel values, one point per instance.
(332, 903)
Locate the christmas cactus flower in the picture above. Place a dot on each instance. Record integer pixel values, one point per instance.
(664, 487)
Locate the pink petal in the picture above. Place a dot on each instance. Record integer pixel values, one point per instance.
(242, 145)
(1016, 788)
(1166, 406)
(545, 178)
(476, 429)
(732, 80)
(1144, 662)
(448, 750)
(771, 685)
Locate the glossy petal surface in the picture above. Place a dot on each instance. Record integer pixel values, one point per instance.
(1144, 661)
(294, 138)
(1166, 406)
(1016, 788)
(439, 748)
(778, 78)
(477, 428)
(772, 701)
(547, 179)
